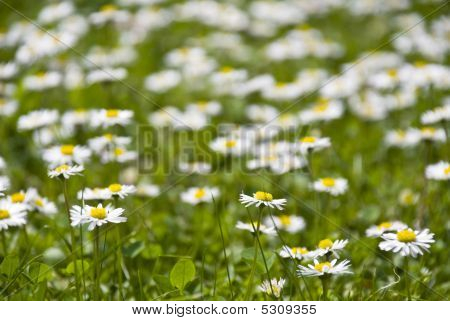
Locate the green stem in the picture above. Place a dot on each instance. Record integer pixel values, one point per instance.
(407, 281)
(5, 246)
(119, 254)
(324, 280)
(72, 239)
(249, 291)
(96, 264)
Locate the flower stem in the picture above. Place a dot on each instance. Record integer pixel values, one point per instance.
(72, 239)
(407, 281)
(324, 280)
(119, 254)
(5, 246)
(96, 263)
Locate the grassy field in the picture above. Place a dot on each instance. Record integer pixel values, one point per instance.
(181, 244)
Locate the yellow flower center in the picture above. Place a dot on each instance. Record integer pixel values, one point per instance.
(67, 149)
(200, 193)
(41, 74)
(115, 188)
(4, 214)
(202, 104)
(18, 197)
(406, 236)
(319, 266)
(112, 113)
(420, 63)
(98, 213)
(325, 244)
(118, 151)
(226, 69)
(447, 170)
(392, 73)
(39, 202)
(328, 182)
(108, 136)
(308, 139)
(285, 219)
(62, 168)
(384, 225)
(263, 196)
(280, 84)
(230, 143)
(299, 250)
(108, 8)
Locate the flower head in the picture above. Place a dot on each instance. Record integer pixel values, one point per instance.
(12, 214)
(262, 198)
(273, 287)
(65, 171)
(407, 242)
(380, 229)
(96, 216)
(333, 186)
(320, 269)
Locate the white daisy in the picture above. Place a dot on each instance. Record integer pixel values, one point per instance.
(65, 171)
(262, 228)
(96, 216)
(66, 154)
(436, 115)
(439, 171)
(320, 269)
(117, 154)
(407, 242)
(327, 246)
(311, 143)
(403, 138)
(229, 146)
(162, 81)
(8, 106)
(433, 134)
(324, 110)
(120, 191)
(212, 108)
(106, 75)
(380, 229)
(110, 117)
(263, 198)
(299, 253)
(274, 287)
(333, 186)
(24, 197)
(288, 223)
(37, 119)
(43, 205)
(91, 194)
(408, 197)
(12, 214)
(147, 190)
(195, 195)
(195, 167)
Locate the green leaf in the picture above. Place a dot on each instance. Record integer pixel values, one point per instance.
(9, 265)
(182, 273)
(40, 272)
(80, 263)
(134, 249)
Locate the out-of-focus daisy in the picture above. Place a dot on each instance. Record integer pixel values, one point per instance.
(91, 194)
(269, 230)
(288, 223)
(111, 117)
(407, 242)
(42, 81)
(8, 106)
(436, 115)
(109, 12)
(229, 146)
(298, 253)
(195, 195)
(311, 143)
(273, 287)
(403, 138)
(378, 230)
(147, 190)
(106, 75)
(327, 246)
(98, 144)
(262, 198)
(324, 110)
(121, 191)
(37, 119)
(72, 118)
(333, 186)
(118, 154)
(162, 81)
(195, 167)
(12, 214)
(66, 154)
(43, 205)
(439, 171)
(96, 216)
(321, 269)
(433, 134)
(207, 107)
(24, 197)
(408, 198)
(65, 171)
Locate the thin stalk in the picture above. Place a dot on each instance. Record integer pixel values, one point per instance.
(72, 239)
(252, 272)
(5, 246)
(324, 280)
(407, 281)
(83, 278)
(97, 264)
(119, 255)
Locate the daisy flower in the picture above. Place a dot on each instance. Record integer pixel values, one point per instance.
(121, 191)
(439, 171)
(195, 195)
(333, 186)
(433, 134)
(12, 214)
(273, 287)
(288, 223)
(44, 206)
(269, 230)
(96, 216)
(327, 246)
(436, 115)
(65, 171)
(263, 198)
(111, 117)
(309, 144)
(299, 253)
(37, 119)
(147, 190)
(408, 198)
(24, 197)
(321, 269)
(407, 242)
(91, 194)
(378, 230)
(229, 146)
(66, 154)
